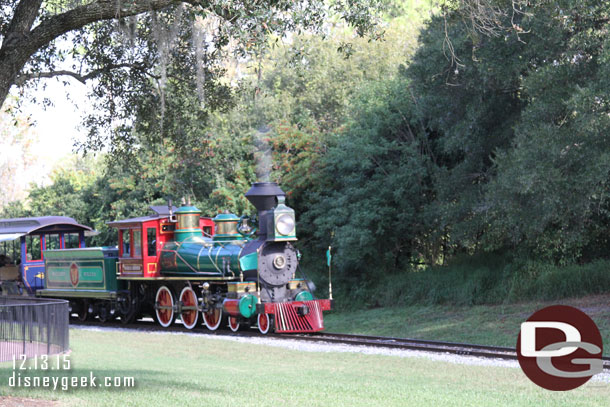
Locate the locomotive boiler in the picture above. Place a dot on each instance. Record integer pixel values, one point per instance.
(265, 256)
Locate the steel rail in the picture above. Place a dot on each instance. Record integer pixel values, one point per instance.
(463, 349)
(390, 339)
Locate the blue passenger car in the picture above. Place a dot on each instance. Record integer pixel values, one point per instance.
(22, 242)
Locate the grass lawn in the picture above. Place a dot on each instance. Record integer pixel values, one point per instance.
(484, 324)
(186, 370)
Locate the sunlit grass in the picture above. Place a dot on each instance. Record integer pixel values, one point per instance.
(198, 371)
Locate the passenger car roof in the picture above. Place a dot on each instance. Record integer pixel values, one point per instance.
(40, 224)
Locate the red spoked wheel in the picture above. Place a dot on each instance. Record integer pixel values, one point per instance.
(264, 323)
(234, 324)
(212, 318)
(164, 306)
(189, 313)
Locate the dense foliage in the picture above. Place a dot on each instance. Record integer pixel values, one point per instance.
(503, 146)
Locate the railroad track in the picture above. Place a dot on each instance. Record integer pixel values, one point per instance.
(464, 349)
(414, 344)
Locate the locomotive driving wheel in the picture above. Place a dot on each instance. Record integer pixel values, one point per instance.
(212, 318)
(164, 306)
(265, 322)
(189, 313)
(233, 324)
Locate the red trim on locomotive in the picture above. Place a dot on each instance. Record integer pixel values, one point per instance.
(298, 316)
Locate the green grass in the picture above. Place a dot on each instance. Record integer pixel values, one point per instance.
(483, 324)
(193, 370)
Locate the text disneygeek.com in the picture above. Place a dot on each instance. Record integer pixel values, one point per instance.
(41, 365)
(69, 382)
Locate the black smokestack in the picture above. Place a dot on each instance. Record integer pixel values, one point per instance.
(263, 195)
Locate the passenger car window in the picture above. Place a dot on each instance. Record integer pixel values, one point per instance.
(32, 247)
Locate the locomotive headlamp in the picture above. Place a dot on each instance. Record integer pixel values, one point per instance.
(285, 224)
(281, 225)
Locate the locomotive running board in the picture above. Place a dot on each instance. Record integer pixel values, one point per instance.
(298, 316)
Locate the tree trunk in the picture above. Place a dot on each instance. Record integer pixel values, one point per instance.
(12, 59)
(11, 63)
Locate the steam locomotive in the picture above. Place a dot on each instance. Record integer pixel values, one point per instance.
(233, 271)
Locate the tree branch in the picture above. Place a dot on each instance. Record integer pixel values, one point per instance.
(100, 10)
(21, 79)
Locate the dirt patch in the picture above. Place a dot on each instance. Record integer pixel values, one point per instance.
(592, 305)
(21, 402)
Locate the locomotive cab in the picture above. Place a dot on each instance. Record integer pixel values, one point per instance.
(143, 239)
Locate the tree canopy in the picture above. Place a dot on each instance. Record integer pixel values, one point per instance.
(131, 42)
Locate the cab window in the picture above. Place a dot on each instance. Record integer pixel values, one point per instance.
(151, 238)
(71, 241)
(126, 241)
(137, 243)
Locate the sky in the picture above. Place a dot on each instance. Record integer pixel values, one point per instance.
(57, 125)
(54, 132)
